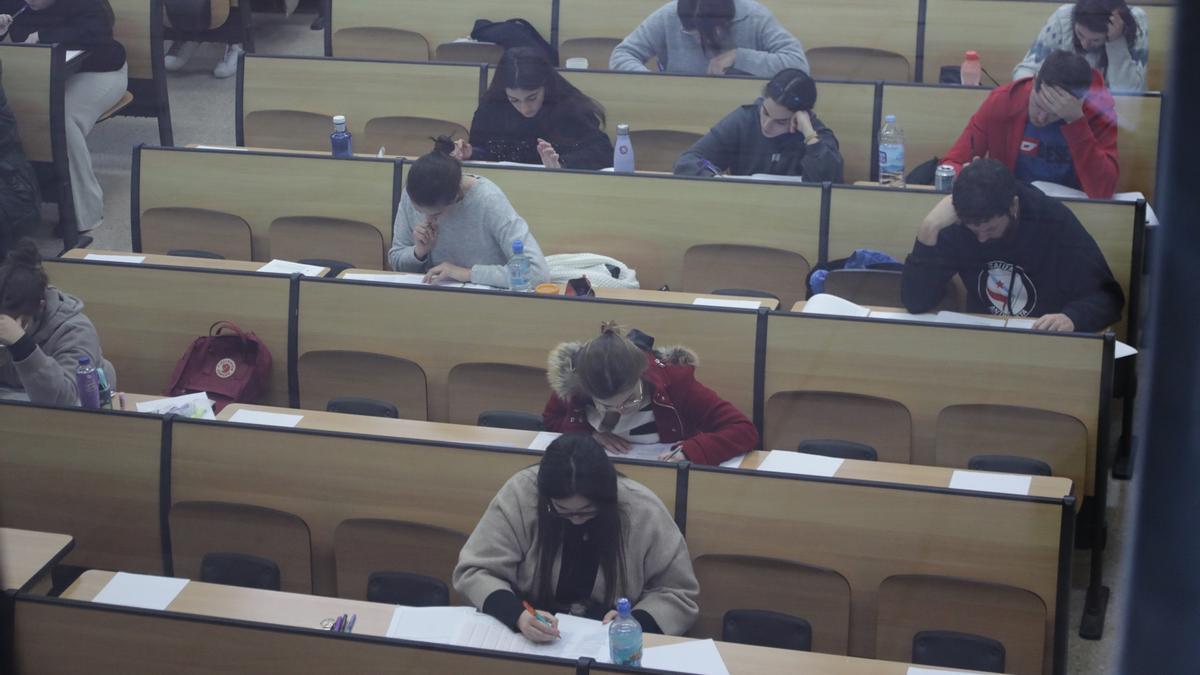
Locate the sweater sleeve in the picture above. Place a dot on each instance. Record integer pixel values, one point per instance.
(1093, 143)
(719, 146)
(926, 273)
(50, 378)
(822, 160)
(488, 561)
(509, 227)
(1126, 65)
(777, 49)
(670, 590)
(719, 430)
(591, 149)
(402, 257)
(1094, 298)
(647, 40)
(87, 25)
(482, 133)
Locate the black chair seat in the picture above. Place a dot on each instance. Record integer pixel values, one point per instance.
(830, 447)
(240, 569)
(765, 628)
(951, 649)
(406, 588)
(1009, 464)
(508, 419)
(355, 405)
(195, 253)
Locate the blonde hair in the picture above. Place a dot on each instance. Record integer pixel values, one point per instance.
(609, 363)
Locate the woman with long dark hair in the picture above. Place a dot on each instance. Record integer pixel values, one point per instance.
(572, 535)
(1110, 34)
(532, 115)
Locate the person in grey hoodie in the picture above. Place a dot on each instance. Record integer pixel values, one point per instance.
(713, 37)
(43, 332)
(777, 134)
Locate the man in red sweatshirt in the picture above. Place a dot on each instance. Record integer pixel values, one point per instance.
(1059, 127)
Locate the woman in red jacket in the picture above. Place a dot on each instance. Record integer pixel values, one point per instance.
(626, 394)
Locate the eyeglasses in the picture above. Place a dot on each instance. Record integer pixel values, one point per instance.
(634, 402)
(568, 515)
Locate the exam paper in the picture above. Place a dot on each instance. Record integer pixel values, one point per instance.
(967, 319)
(195, 405)
(140, 590)
(288, 267)
(270, 419)
(73, 54)
(824, 303)
(787, 461)
(1120, 350)
(115, 258)
(410, 279)
(990, 481)
(543, 440)
(579, 637)
(694, 656)
(428, 624)
(738, 304)
(649, 451)
(903, 316)
(733, 462)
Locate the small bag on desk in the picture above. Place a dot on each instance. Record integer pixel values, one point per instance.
(229, 364)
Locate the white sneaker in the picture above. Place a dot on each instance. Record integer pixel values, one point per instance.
(179, 54)
(228, 65)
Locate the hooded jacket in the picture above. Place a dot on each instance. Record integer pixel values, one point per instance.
(712, 429)
(998, 128)
(501, 134)
(19, 197)
(43, 362)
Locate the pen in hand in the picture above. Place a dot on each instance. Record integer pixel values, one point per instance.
(533, 612)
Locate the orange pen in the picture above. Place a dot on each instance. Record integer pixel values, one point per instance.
(533, 612)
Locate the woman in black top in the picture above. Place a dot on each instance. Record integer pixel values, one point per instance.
(100, 83)
(532, 115)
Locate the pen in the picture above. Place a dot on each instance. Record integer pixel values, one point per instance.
(15, 14)
(674, 452)
(337, 624)
(350, 625)
(532, 612)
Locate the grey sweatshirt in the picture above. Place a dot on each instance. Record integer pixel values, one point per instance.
(43, 362)
(737, 144)
(764, 47)
(1126, 66)
(477, 232)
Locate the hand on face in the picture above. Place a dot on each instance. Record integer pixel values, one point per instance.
(446, 273)
(462, 150)
(722, 62)
(942, 216)
(1116, 27)
(424, 237)
(548, 154)
(11, 330)
(1060, 103)
(802, 124)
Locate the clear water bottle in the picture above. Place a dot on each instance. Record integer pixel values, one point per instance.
(341, 140)
(518, 268)
(87, 383)
(891, 153)
(105, 390)
(971, 70)
(623, 151)
(625, 637)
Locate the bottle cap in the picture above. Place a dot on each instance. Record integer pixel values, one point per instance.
(339, 119)
(972, 55)
(890, 119)
(622, 129)
(623, 606)
(85, 361)
(518, 246)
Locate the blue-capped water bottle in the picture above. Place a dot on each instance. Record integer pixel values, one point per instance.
(625, 637)
(341, 140)
(518, 268)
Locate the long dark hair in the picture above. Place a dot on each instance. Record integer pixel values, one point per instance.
(1093, 15)
(23, 281)
(435, 179)
(712, 19)
(575, 464)
(526, 68)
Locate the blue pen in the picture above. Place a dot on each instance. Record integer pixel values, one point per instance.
(337, 624)
(709, 166)
(350, 625)
(15, 14)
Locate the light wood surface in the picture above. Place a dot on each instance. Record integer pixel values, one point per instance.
(25, 555)
(284, 184)
(175, 260)
(131, 27)
(26, 77)
(147, 318)
(1137, 142)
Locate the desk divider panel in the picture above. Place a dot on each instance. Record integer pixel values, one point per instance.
(32, 76)
(89, 474)
(326, 477)
(260, 187)
(148, 316)
(649, 222)
(868, 532)
(440, 328)
(927, 367)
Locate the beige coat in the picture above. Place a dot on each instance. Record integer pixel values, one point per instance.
(500, 553)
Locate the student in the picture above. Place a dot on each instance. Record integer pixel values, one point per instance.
(98, 86)
(624, 393)
(20, 202)
(458, 227)
(711, 37)
(532, 115)
(1111, 35)
(777, 134)
(1059, 127)
(43, 332)
(572, 535)
(1017, 251)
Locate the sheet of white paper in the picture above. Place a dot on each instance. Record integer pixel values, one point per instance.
(1019, 322)
(1121, 350)
(733, 462)
(967, 319)
(579, 637)
(787, 461)
(543, 440)
(140, 590)
(649, 451)
(115, 258)
(289, 267)
(917, 670)
(824, 303)
(195, 405)
(406, 278)
(990, 481)
(428, 624)
(738, 304)
(694, 656)
(267, 418)
(770, 176)
(902, 316)
(73, 54)
(1062, 191)
(221, 147)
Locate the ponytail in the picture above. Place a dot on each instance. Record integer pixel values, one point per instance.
(609, 363)
(435, 179)
(23, 281)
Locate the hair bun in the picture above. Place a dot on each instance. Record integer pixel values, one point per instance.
(443, 144)
(609, 328)
(24, 254)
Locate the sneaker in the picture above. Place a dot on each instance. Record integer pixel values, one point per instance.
(318, 23)
(179, 54)
(228, 65)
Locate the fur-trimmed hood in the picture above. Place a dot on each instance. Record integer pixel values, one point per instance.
(560, 371)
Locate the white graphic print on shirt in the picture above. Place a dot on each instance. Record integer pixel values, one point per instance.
(1006, 289)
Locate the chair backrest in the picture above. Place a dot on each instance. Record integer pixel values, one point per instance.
(781, 273)
(169, 228)
(240, 569)
(408, 136)
(201, 527)
(658, 149)
(883, 424)
(857, 63)
(473, 388)
(1010, 464)
(469, 52)
(765, 628)
(389, 44)
(1014, 617)
(330, 374)
(835, 448)
(290, 129)
(880, 288)
(363, 546)
(507, 419)
(952, 649)
(356, 405)
(967, 430)
(404, 588)
(597, 51)
(352, 241)
(819, 596)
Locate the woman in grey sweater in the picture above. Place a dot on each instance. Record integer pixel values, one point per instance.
(458, 227)
(713, 37)
(777, 134)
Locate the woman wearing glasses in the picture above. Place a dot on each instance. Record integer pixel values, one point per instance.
(624, 394)
(561, 536)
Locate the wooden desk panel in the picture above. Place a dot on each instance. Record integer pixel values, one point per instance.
(29, 86)
(26, 555)
(173, 260)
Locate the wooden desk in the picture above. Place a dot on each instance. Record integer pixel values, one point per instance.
(25, 556)
(175, 260)
(799, 308)
(907, 186)
(309, 611)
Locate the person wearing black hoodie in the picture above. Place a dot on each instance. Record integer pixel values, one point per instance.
(1017, 251)
(19, 197)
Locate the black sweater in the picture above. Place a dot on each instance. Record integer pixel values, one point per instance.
(501, 134)
(1053, 264)
(737, 144)
(76, 24)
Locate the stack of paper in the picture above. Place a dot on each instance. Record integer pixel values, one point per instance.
(408, 279)
(135, 259)
(694, 656)
(197, 406)
(288, 267)
(802, 463)
(720, 302)
(269, 419)
(824, 303)
(465, 627)
(140, 590)
(990, 481)
(649, 451)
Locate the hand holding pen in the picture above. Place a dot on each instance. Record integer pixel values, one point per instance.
(6, 20)
(537, 626)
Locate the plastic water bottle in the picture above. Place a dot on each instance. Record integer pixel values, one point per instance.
(623, 151)
(518, 268)
(87, 382)
(891, 153)
(971, 70)
(625, 637)
(341, 140)
(105, 390)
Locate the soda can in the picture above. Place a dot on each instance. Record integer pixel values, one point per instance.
(943, 178)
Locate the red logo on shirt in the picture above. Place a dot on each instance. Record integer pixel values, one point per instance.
(1029, 146)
